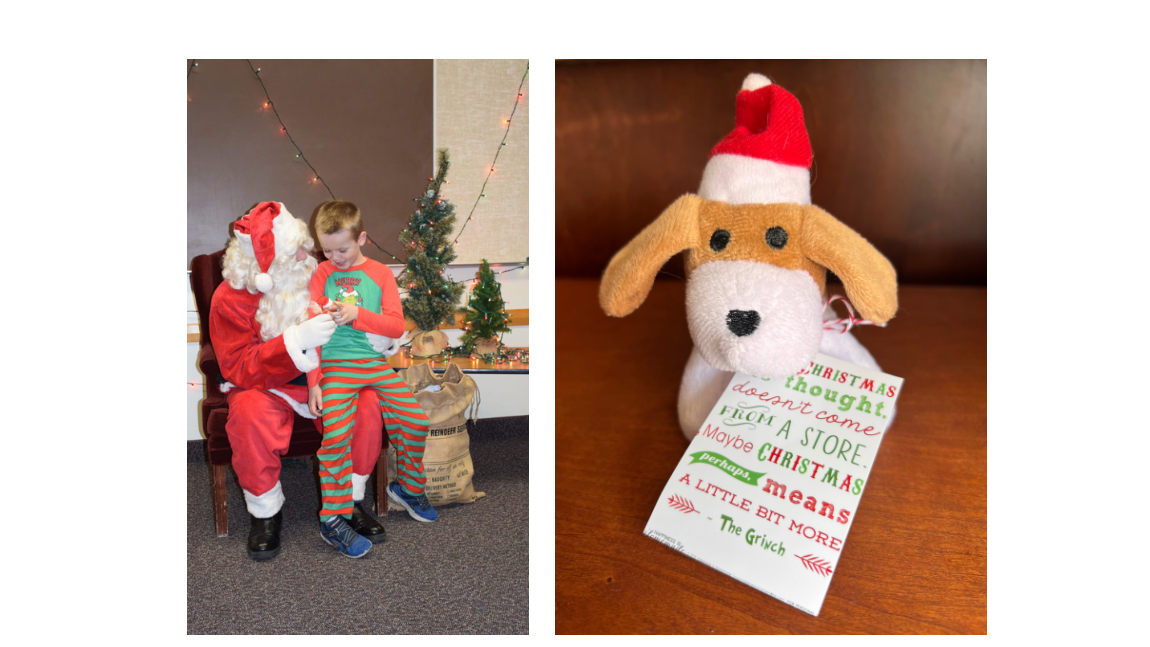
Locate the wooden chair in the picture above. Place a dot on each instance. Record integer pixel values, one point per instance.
(207, 274)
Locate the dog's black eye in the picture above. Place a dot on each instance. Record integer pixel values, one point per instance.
(776, 237)
(719, 239)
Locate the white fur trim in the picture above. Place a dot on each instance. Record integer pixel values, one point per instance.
(358, 486)
(285, 227)
(300, 407)
(299, 355)
(267, 504)
(755, 81)
(245, 241)
(737, 179)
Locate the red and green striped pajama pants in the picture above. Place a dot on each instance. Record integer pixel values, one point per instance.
(342, 382)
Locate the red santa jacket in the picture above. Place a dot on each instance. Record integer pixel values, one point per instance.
(246, 361)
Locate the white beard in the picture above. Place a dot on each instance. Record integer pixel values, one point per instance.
(286, 305)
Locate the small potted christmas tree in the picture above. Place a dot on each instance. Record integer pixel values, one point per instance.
(485, 317)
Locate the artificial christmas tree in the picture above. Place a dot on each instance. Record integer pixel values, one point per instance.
(485, 317)
(432, 297)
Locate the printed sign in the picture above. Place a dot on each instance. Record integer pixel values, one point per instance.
(768, 489)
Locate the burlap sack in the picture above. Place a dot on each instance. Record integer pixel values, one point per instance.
(447, 455)
(487, 346)
(424, 343)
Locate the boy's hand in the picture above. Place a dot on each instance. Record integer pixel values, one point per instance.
(345, 313)
(315, 400)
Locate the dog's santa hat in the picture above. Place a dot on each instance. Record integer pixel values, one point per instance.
(767, 157)
(263, 233)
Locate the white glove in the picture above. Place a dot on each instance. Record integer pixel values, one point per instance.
(305, 361)
(384, 345)
(315, 331)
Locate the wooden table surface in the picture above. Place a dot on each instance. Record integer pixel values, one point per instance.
(915, 558)
(402, 360)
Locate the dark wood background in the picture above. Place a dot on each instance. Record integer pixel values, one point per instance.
(899, 146)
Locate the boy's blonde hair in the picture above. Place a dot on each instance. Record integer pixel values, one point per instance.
(335, 215)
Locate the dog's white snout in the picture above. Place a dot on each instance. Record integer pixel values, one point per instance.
(753, 317)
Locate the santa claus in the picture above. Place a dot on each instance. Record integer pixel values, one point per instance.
(265, 341)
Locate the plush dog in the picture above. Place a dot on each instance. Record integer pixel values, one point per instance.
(757, 256)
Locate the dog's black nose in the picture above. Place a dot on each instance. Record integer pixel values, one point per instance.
(742, 322)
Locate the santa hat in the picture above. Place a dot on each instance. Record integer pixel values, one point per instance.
(767, 157)
(262, 234)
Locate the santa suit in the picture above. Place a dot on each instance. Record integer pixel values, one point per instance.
(261, 402)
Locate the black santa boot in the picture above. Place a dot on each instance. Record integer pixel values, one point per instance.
(264, 537)
(363, 523)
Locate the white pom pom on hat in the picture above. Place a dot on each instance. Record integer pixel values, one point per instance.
(767, 157)
(259, 235)
(755, 81)
(264, 282)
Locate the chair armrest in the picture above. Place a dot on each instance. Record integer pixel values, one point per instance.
(208, 364)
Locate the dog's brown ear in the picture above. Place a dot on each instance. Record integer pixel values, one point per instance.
(630, 274)
(869, 278)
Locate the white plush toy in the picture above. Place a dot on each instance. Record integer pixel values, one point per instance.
(757, 256)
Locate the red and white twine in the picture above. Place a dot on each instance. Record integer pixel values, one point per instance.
(849, 321)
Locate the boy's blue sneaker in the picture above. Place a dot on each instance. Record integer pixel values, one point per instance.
(417, 506)
(338, 533)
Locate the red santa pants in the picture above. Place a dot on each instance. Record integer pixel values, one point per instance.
(259, 430)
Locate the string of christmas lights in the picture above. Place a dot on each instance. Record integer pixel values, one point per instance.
(491, 169)
(522, 266)
(319, 178)
(502, 355)
(283, 128)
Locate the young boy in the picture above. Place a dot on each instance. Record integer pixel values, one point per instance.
(364, 298)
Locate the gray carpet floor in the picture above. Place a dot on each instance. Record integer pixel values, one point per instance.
(464, 574)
